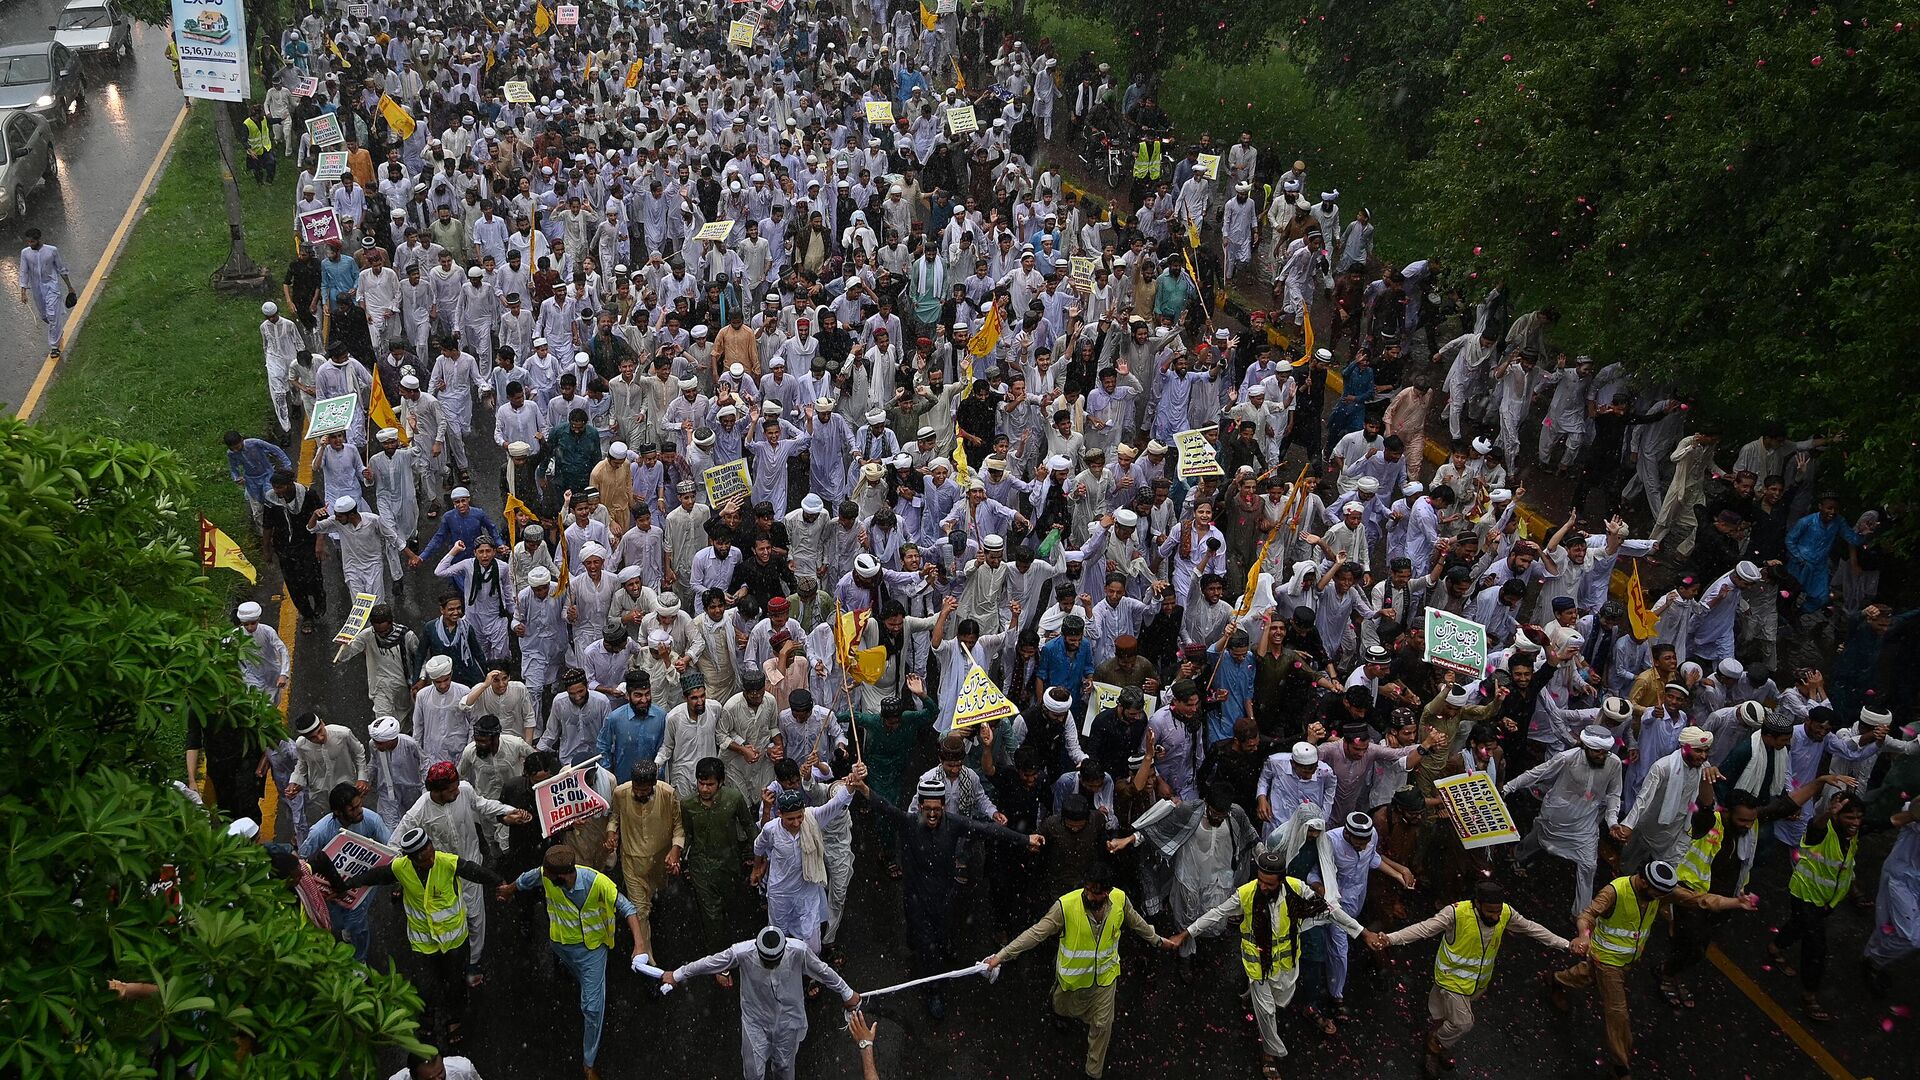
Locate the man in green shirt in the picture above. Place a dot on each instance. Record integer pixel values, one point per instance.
(887, 742)
(718, 824)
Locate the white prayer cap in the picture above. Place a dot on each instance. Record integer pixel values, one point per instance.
(473, 272)
(1058, 700)
(1368, 484)
(1258, 389)
(243, 828)
(1500, 495)
(960, 326)
(1325, 356)
(699, 332)
(1616, 708)
(1746, 571)
(813, 504)
(1695, 737)
(1329, 196)
(1869, 716)
(410, 382)
(1458, 695)
(1731, 668)
(726, 412)
(439, 667)
(1125, 518)
(1305, 754)
(737, 370)
(592, 550)
(1573, 641)
(617, 450)
(658, 636)
(387, 434)
(519, 448)
(344, 504)
(539, 576)
(248, 612)
(1412, 488)
(628, 573)
(1059, 462)
(269, 308)
(383, 729)
(778, 362)
(1595, 737)
(903, 461)
(1482, 444)
(1353, 508)
(866, 565)
(539, 341)
(993, 542)
(875, 416)
(689, 384)
(460, 493)
(667, 605)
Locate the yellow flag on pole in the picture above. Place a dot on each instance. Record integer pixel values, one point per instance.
(542, 19)
(961, 469)
(987, 338)
(218, 549)
(380, 411)
(928, 20)
(1640, 618)
(397, 117)
(513, 511)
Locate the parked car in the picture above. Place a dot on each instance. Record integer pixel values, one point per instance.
(26, 160)
(95, 30)
(42, 77)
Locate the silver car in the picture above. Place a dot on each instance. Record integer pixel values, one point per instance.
(95, 30)
(43, 78)
(26, 161)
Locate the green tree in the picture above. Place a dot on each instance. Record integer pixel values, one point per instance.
(1722, 196)
(109, 643)
(1159, 36)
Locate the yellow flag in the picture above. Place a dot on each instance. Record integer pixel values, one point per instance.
(1640, 617)
(868, 665)
(218, 549)
(397, 118)
(513, 510)
(542, 19)
(1306, 335)
(987, 338)
(380, 411)
(1253, 575)
(928, 20)
(961, 469)
(633, 73)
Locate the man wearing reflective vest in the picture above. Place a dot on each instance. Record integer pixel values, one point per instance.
(1087, 962)
(1719, 860)
(1271, 912)
(436, 924)
(1822, 880)
(581, 905)
(1470, 934)
(1613, 933)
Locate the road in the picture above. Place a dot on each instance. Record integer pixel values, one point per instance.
(104, 150)
(524, 1024)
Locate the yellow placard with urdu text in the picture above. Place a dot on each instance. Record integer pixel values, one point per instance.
(880, 112)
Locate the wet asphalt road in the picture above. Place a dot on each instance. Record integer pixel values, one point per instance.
(104, 150)
(524, 1024)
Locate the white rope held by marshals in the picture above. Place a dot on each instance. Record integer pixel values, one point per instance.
(958, 973)
(641, 965)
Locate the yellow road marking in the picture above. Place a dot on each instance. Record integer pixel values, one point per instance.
(107, 257)
(1800, 1035)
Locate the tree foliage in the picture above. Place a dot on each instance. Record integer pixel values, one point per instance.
(1159, 35)
(110, 638)
(1721, 195)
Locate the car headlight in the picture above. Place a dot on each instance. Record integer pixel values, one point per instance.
(43, 101)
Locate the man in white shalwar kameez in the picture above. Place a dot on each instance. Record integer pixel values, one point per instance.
(1202, 851)
(1660, 818)
(396, 494)
(1584, 796)
(790, 860)
(770, 973)
(371, 552)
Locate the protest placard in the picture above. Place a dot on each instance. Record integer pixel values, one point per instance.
(567, 799)
(320, 226)
(725, 481)
(324, 130)
(1105, 696)
(980, 701)
(332, 165)
(961, 120)
(332, 414)
(350, 853)
(717, 231)
(356, 619)
(880, 112)
(305, 85)
(1478, 813)
(518, 93)
(567, 15)
(1456, 644)
(1210, 164)
(1197, 456)
(1080, 271)
(740, 33)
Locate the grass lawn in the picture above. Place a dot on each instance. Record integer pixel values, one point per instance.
(162, 358)
(1269, 96)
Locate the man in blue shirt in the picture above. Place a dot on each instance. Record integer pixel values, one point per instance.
(464, 522)
(1232, 696)
(1066, 662)
(633, 731)
(349, 814)
(251, 463)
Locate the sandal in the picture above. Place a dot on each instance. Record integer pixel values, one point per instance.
(1269, 1068)
(1814, 1010)
(894, 871)
(1779, 961)
(455, 1037)
(1324, 1022)
(1676, 995)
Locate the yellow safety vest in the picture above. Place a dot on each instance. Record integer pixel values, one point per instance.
(259, 136)
(1464, 964)
(591, 925)
(1146, 160)
(1082, 961)
(1824, 874)
(1620, 938)
(436, 917)
(1696, 870)
(1280, 951)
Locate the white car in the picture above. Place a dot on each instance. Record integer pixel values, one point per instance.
(95, 30)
